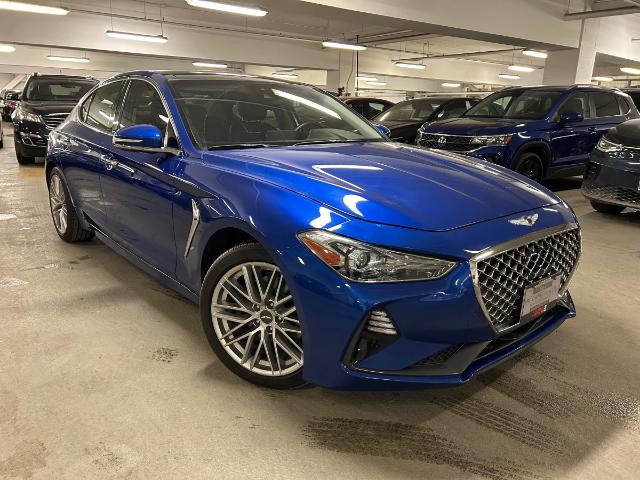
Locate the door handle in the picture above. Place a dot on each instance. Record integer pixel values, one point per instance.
(108, 161)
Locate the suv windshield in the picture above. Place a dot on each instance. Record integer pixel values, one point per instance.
(57, 89)
(516, 104)
(251, 113)
(411, 110)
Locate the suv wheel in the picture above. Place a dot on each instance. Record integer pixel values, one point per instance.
(606, 207)
(22, 160)
(250, 318)
(530, 165)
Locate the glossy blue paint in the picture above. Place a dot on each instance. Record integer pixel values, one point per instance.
(391, 195)
(138, 137)
(564, 140)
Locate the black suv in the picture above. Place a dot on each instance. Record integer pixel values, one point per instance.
(45, 103)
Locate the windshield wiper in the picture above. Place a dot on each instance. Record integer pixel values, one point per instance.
(240, 145)
(320, 142)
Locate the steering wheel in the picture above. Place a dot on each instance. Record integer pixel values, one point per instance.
(305, 127)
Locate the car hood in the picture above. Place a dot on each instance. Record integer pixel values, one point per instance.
(392, 184)
(475, 126)
(46, 108)
(394, 124)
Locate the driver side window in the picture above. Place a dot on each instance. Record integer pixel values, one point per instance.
(144, 106)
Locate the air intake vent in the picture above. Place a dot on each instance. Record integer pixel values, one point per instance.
(380, 322)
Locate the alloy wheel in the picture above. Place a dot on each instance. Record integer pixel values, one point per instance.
(255, 320)
(57, 201)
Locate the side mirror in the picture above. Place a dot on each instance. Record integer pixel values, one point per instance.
(571, 117)
(141, 138)
(382, 129)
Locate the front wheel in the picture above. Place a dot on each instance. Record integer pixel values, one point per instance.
(606, 207)
(62, 212)
(250, 318)
(530, 165)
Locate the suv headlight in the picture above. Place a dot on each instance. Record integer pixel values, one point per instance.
(28, 116)
(608, 146)
(488, 140)
(362, 262)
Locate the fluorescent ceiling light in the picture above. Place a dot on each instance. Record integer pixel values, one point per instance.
(630, 70)
(377, 84)
(31, 8)
(209, 65)
(140, 37)
(534, 53)
(508, 76)
(451, 84)
(415, 66)
(56, 58)
(7, 48)
(343, 46)
(521, 68)
(284, 75)
(367, 78)
(228, 8)
(603, 79)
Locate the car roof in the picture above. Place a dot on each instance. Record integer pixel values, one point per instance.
(218, 75)
(366, 99)
(563, 88)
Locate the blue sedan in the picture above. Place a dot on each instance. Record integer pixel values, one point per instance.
(318, 250)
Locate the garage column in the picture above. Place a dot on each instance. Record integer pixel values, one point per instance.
(566, 67)
(345, 75)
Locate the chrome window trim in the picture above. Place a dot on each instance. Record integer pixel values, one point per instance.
(509, 245)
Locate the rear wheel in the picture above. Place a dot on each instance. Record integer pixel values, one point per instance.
(22, 160)
(606, 208)
(530, 165)
(250, 318)
(62, 212)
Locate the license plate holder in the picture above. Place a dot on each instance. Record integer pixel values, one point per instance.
(539, 297)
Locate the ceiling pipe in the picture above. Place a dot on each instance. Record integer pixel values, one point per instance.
(601, 13)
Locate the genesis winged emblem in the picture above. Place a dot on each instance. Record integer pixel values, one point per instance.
(525, 220)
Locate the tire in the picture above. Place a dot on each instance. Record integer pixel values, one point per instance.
(63, 214)
(263, 340)
(530, 165)
(606, 208)
(22, 160)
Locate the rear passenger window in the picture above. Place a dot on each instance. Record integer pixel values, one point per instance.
(103, 107)
(606, 104)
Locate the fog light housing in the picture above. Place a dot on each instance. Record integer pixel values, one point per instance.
(380, 322)
(377, 332)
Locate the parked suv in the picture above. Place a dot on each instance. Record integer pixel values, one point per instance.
(368, 107)
(45, 103)
(539, 132)
(8, 103)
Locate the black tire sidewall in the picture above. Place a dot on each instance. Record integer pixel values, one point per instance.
(524, 157)
(248, 252)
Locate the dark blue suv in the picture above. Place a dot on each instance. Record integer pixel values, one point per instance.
(540, 132)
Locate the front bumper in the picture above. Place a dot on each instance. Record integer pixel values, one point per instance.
(444, 337)
(613, 180)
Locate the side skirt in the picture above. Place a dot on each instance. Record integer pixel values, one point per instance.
(148, 268)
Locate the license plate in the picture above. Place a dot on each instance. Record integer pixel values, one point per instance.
(540, 296)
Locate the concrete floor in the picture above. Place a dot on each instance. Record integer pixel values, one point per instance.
(104, 373)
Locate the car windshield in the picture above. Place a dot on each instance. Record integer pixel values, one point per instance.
(411, 110)
(57, 89)
(516, 104)
(252, 113)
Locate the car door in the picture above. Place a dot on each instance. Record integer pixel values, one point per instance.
(571, 142)
(607, 114)
(86, 144)
(137, 187)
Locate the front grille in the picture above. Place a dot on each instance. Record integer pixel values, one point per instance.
(453, 143)
(502, 277)
(625, 195)
(54, 119)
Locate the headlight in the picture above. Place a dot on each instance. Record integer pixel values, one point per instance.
(608, 146)
(488, 140)
(28, 116)
(362, 262)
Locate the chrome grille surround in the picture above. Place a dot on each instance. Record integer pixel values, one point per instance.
(54, 119)
(501, 273)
